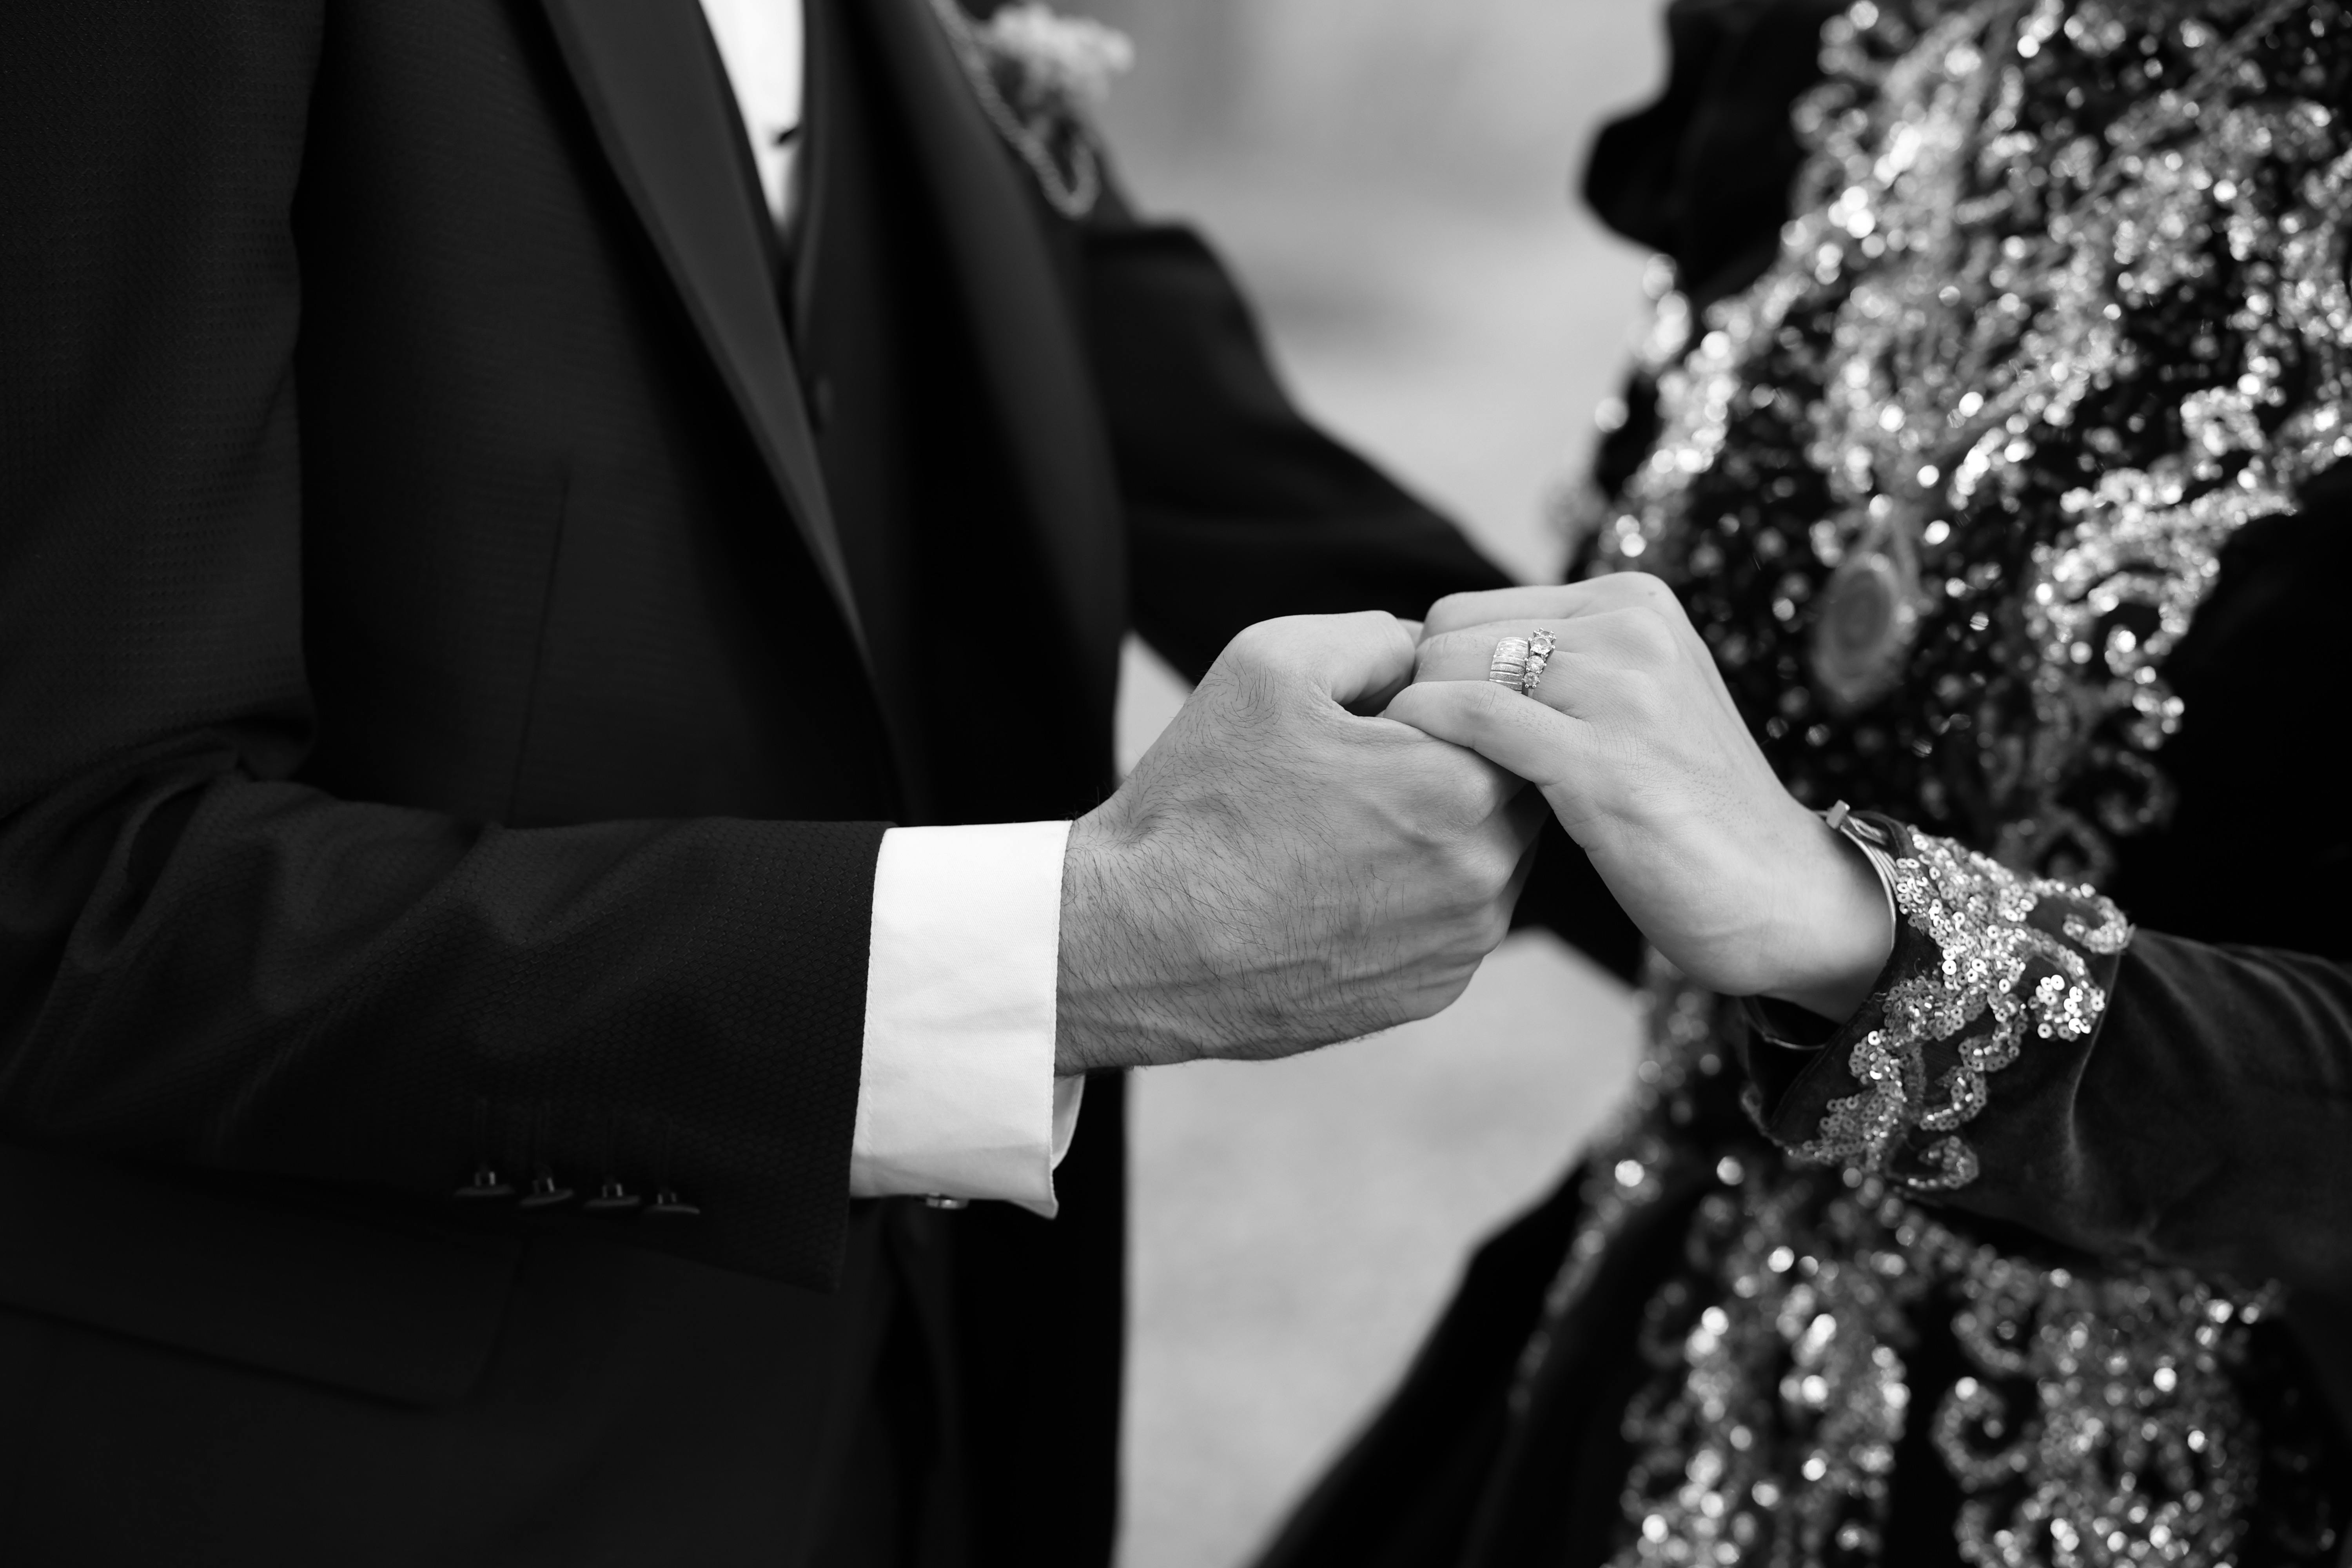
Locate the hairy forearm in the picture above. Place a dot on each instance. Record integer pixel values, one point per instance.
(1166, 956)
(1281, 872)
(1112, 1008)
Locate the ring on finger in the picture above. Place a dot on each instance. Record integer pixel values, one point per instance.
(1539, 651)
(1509, 665)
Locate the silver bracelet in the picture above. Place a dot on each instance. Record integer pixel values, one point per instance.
(1870, 839)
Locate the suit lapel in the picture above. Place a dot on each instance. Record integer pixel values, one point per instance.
(661, 108)
(1032, 360)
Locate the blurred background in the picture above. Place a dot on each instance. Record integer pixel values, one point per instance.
(1393, 180)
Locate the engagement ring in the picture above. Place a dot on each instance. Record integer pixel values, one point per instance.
(1540, 649)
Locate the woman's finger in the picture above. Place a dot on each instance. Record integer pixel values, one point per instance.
(1585, 654)
(1559, 602)
(1468, 655)
(1585, 650)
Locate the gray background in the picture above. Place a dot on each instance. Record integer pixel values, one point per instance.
(1392, 181)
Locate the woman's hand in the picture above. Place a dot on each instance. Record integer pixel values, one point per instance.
(1633, 739)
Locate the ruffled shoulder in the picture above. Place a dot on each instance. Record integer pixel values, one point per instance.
(1703, 174)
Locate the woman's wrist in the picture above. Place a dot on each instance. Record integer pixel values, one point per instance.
(1838, 932)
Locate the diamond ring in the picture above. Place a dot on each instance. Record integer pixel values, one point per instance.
(1539, 650)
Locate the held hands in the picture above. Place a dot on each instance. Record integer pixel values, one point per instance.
(1280, 871)
(1633, 739)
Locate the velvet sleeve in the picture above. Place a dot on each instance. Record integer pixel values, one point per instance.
(205, 963)
(2029, 1058)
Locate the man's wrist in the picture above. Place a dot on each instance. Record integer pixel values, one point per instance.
(1076, 1049)
(1105, 1014)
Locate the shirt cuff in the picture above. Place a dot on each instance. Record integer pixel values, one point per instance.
(956, 1092)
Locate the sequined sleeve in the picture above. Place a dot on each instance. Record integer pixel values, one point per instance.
(1989, 965)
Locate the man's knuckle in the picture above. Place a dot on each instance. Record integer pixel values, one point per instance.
(1245, 652)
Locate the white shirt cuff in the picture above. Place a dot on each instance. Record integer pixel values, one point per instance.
(956, 1092)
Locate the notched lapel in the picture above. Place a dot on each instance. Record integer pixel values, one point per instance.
(651, 84)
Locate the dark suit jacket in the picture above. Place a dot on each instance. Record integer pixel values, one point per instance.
(467, 615)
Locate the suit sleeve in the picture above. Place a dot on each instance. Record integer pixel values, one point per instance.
(205, 963)
(2031, 1058)
(1239, 508)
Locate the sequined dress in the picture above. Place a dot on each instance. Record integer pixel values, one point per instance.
(2002, 494)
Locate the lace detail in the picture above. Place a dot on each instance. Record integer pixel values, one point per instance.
(2012, 955)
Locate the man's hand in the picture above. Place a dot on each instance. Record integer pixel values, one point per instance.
(1280, 872)
(1636, 742)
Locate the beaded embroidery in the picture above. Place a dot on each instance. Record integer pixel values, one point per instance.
(2093, 1420)
(1648, 1143)
(2064, 305)
(2055, 325)
(2001, 966)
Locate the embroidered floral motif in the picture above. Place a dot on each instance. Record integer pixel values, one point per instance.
(1038, 76)
(2093, 1419)
(2089, 1419)
(2104, 241)
(1770, 1434)
(2063, 305)
(2012, 956)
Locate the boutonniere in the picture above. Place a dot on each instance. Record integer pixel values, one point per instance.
(1040, 76)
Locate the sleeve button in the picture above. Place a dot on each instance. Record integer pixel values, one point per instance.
(545, 1194)
(613, 1198)
(485, 1184)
